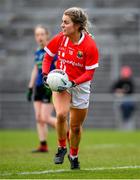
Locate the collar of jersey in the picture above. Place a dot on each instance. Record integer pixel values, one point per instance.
(81, 39)
(79, 42)
(40, 49)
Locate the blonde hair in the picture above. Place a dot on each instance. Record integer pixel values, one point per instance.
(42, 27)
(78, 16)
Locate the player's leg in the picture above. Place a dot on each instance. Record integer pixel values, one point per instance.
(62, 105)
(47, 107)
(78, 112)
(46, 118)
(46, 114)
(77, 117)
(41, 127)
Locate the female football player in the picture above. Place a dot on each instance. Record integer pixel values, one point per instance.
(78, 57)
(42, 96)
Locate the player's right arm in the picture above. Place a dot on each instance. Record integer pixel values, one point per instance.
(33, 76)
(51, 50)
(32, 82)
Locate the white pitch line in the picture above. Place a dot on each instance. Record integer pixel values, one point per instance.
(111, 168)
(68, 170)
(97, 146)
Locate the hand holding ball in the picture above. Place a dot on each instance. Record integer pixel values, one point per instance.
(58, 80)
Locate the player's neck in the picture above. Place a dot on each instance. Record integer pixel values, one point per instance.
(75, 37)
(43, 45)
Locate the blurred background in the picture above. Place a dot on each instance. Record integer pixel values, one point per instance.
(116, 27)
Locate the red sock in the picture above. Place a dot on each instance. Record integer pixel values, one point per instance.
(73, 151)
(62, 143)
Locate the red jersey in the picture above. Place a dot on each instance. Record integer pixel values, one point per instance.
(74, 59)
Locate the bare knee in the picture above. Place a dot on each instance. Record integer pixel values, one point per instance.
(76, 130)
(41, 122)
(61, 117)
(39, 119)
(44, 118)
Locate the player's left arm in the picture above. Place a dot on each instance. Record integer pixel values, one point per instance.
(87, 76)
(91, 64)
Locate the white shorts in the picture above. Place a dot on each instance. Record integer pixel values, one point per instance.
(80, 95)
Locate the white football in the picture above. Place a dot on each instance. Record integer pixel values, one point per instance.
(56, 78)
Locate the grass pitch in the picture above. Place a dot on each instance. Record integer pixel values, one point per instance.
(103, 154)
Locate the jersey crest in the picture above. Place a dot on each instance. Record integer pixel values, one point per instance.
(80, 54)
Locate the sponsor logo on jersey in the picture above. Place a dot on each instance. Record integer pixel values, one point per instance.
(71, 62)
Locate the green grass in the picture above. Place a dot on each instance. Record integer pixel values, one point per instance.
(98, 149)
